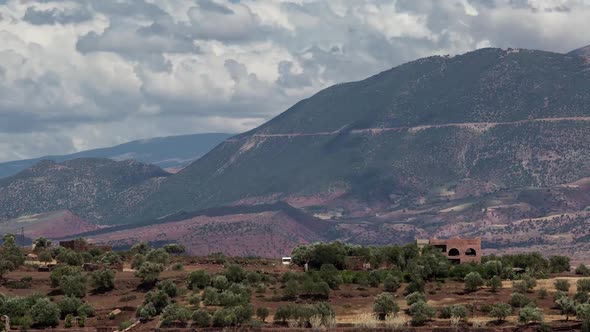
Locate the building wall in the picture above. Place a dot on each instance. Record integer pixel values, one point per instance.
(459, 250)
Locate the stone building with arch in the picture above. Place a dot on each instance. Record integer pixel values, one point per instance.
(458, 250)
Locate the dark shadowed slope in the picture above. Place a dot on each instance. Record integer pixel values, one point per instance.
(582, 51)
(172, 152)
(96, 190)
(434, 129)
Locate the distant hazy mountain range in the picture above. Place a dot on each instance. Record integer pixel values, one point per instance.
(171, 153)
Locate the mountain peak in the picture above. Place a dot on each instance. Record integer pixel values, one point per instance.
(582, 51)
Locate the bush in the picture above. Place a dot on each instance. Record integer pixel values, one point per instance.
(146, 312)
(415, 297)
(124, 325)
(158, 299)
(149, 272)
(583, 270)
(316, 290)
(421, 313)
(158, 256)
(86, 310)
(68, 321)
(500, 311)
(384, 305)
(103, 280)
(169, 287)
(210, 296)
(494, 283)
(82, 321)
(175, 249)
(70, 257)
(253, 277)
(543, 293)
(201, 318)
(559, 264)
(473, 281)
(194, 299)
(330, 274)
(137, 261)
(262, 313)
(562, 285)
(582, 297)
(567, 307)
(454, 311)
(530, 314)
(61, 271)
(391, 284)
(374, 279)
(235, 273)
(519, 300)
(45, 313)
(74, 285)
(583, 285)
(174, 313)
(69, 305)
(583, 314)
(291, 290)
(198, 280)
(283, 313)
(220, 282)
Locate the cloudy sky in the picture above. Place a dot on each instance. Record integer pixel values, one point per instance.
(82, 74)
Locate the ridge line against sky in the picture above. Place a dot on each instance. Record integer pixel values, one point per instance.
(76, 75)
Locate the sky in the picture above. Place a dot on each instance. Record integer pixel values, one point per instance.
(82, 74)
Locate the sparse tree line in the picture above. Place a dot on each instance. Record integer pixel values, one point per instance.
(224, 299)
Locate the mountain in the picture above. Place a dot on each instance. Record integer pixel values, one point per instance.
(171, 153)
(492, 143)
(436, 129)
(93, 189)
(582, 51)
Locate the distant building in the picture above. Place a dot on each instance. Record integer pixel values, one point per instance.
(287, 260)
(457, 250)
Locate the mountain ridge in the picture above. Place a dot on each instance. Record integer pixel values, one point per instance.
(170, 152)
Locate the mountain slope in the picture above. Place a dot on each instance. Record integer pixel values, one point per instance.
(582, 51)
(434, 129)
(172, 152)
(93, 189)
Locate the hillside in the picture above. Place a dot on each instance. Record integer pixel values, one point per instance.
(93, 189)
(171, 153)
(436, 129)
(582, 51)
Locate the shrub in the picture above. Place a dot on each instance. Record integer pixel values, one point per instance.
(416, 285)
(124, 325)
(61, 271)
(415, 297)
(494, 283)
(543, 292)
(391, 284)
(558, 295)
(562, 285)
(559, 264)
(253, 278)
(473, 281)
(220, 282)
(159, 299)
(82, 321)
(86, 310)
(291, 290)
(149, 272)
(177, 267)
(210, 296)
(330, 274)
(68, 321)
(146, 312)
(158, 256)
(454, 311)
(519, 300)
(583, 314)
(70, 257)
(103, 280)
(74, 285)
(69, 305)
(582, 297)
(583, 270)
(567, 307)
(374, 279)
(137, 261)
(283, 313)
(198, 280)
(169, 287)
(194, 299)
(421, 312)
(316, 290)
(235, 273)
(174, 313)
(530, 314)
(175, 249)
(201, 318)
(583, 285)
(384, 305)
(45, 313)
(500, 311)
(262, 313)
